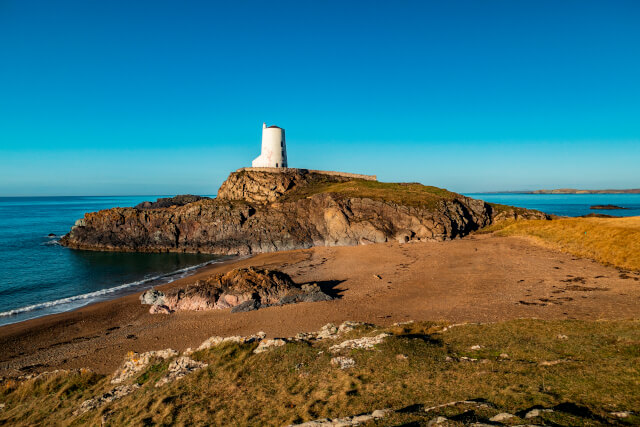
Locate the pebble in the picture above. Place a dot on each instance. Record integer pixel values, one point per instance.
(179, 368)
(362, 343)
(551, 362)
(266, 345)
(536, 412)
(136, 362)
(114, 394)
(623, 414)
(354, 420)
(501, 417)
(343, 362)
(562, 337)
(476, 347)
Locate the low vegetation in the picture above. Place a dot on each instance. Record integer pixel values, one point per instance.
(586, 373)
(611, 241)
(408, 194)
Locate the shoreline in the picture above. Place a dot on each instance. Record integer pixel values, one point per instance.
(118, 291)
(482, 278)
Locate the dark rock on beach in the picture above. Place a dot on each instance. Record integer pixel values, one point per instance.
(258, 211)
(597, 215)
(242, 289)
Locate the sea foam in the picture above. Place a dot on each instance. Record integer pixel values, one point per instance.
(86, 298)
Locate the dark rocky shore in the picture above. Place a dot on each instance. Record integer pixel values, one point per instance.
(606, 207)
(258, 211)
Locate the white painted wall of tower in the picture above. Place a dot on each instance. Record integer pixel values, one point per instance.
(274, 149)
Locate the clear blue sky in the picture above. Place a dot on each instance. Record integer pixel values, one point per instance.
(159, 97)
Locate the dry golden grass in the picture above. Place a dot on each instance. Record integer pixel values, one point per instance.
(594, 371)
(612, 241)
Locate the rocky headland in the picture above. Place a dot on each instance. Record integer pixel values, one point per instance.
(261, 211)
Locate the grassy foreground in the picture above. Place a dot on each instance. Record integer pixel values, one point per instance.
(584, 371)
(612, 241)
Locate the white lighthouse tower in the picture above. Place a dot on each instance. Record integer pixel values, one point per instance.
(274, 149)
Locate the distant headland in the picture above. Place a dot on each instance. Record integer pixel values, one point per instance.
(575, 191)
(565, 191)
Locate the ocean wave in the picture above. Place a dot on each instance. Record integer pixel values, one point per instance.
(96, 294)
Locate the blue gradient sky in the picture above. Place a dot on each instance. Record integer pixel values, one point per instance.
(158, 97)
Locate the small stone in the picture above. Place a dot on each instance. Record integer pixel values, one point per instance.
(448, 359)
(136, 362)
(343, 362)
(266, 345)
(501, 417)
(402, 356)
(536, 412)
(437, 420)
(562, 337)
(377, 276)
(348, 326)
(550, 362)
(152, 297)
(622, 414)
(179, 368)
(113, 394)
(327, 331)
(476, 347)
(381, 413)
(359, 419)
(361, 343)
(504, 356)
(2, 405)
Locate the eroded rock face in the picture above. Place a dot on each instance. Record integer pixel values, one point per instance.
(242, 289)
(265, 187)
(255, 213)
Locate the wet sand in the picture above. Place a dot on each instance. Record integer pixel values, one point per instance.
(477, 279)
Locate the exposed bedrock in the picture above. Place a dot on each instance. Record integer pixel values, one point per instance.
(298, 211)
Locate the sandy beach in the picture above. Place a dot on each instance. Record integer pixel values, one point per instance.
(482, 278)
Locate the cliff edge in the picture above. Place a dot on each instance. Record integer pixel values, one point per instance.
(262, 211)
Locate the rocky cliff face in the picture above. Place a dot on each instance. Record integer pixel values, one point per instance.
(264, 212)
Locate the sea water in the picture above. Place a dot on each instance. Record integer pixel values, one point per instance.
(38, 276)
(566, 204)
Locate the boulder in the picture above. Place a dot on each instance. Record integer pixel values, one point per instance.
(152, 297)
(242, 290)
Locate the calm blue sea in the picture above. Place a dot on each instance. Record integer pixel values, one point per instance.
(38, 276)
(566, 204)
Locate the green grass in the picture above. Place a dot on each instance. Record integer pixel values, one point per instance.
(599, 374)
(408, 194)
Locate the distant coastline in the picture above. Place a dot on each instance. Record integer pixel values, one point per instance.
(565, 191)
(574, 191)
